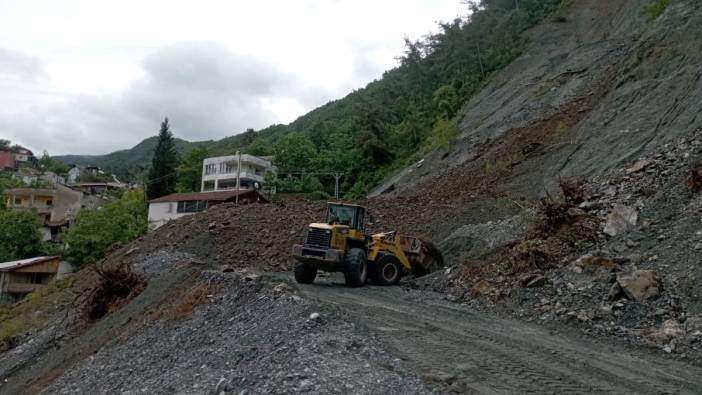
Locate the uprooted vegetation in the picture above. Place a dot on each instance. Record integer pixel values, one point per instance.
(115, 286)
(561, 228)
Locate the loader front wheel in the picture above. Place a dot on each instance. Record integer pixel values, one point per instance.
(304, 274)
(355, 267)
(387, 270)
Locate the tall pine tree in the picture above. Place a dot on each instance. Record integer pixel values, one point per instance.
(162, 175)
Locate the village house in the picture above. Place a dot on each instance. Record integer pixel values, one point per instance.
(97, 188)
(73, 174)
(18, 278)
(22, 154)
(221, 173)
(178, 205)
(7, 161)
(56, 207)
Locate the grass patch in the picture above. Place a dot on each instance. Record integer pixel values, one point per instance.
(654, 9)
(33, 311)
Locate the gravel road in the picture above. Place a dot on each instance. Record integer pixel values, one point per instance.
(465, 351)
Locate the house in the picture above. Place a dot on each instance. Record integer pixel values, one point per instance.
(97, 188)
(52, 178)
(27, 175)
(22, 154)
(56, 207)
(7, 161)
(178, 205)
(220, 173)
(18, 278)
(94, 171)
(73, 174)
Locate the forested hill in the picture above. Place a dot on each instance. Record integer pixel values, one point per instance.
(410, 111)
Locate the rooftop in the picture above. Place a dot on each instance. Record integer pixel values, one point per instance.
(210, 196)
(7, 266)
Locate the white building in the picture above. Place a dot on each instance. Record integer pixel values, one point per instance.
(178, 205)
(73, 175)
(220, 174)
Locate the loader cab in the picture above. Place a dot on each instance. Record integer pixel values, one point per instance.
(350, 215)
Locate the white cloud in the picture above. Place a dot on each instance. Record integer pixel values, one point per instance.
(82, 76)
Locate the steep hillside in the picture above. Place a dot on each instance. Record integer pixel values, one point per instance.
(593, 90)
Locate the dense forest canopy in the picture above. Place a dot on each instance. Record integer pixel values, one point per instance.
(409, 112)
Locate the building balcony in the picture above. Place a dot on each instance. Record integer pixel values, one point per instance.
(244, 175)
(39, 208)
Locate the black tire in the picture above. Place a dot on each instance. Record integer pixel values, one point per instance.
(387, 270)
(304, 274)
(355, 267)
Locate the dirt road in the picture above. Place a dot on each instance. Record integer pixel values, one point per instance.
(465, 351)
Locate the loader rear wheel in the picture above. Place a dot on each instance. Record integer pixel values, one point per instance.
(304, 274)
(387, 270)
(355, 267)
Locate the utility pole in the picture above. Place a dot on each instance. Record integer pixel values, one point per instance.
(516, 4)
(337, 176)
(238, 175)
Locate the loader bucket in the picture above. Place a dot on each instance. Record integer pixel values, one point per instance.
(428, 260)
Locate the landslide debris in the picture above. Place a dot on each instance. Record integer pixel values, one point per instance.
(635, 283)
(257, 236)
(252, 334)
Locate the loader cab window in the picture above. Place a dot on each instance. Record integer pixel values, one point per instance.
(346, 215)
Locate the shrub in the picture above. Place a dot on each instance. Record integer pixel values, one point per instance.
(19, 235)
(318, 195)
(654, 9)
(96, 230)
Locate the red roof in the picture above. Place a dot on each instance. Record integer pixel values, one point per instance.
(219, 196)
(7, 160)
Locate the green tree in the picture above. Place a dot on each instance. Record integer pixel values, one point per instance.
(162, 175)
(259, 147)
(190, 170)
(295, 152)
(48, 164)
(19, 235)
(4, 144)
(94, 231)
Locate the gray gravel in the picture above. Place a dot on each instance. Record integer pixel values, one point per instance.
(250, 336)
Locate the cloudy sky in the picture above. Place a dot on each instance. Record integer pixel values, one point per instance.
(93, 76)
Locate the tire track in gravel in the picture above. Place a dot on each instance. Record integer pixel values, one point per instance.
(471, 352)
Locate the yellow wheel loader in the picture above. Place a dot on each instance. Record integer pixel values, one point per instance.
(341, 244)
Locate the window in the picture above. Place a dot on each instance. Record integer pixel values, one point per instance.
(191, 206)
(49, 202)
(36, 278)
(210, 169)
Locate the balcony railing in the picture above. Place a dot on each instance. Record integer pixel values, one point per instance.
(41, 208)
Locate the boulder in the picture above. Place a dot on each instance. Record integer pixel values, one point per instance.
(668, 331)
(591, 263)
(640, 285)
(621, 220)
(536, 282)
(482, 287)
(638, 166)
